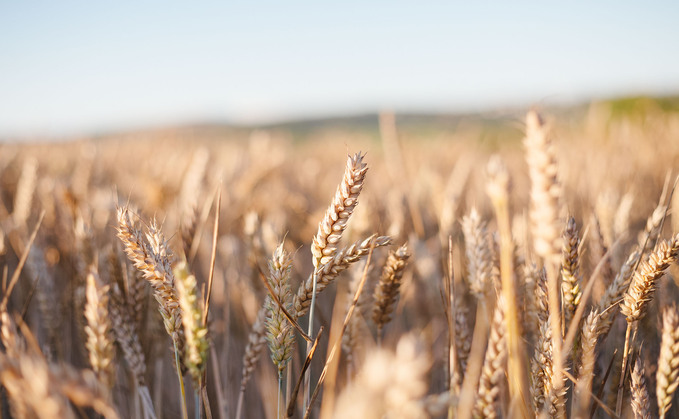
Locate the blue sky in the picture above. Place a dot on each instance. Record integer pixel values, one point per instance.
(76, 67)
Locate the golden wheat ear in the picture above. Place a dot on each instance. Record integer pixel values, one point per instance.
(387, 290)
(641, 402)
(280, 333)
(98, 329)
(667, 376)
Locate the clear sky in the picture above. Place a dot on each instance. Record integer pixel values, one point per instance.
(77, 67)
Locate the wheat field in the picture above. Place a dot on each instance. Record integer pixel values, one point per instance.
(398, 274)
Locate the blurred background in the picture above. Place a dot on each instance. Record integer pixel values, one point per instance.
(76, 68)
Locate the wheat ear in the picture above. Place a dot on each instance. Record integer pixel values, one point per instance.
(98, 329)
(641, 402)
(463, 336)
(545, 196)
(386, 291)
(337, 215)
(479, 257)
(541, 367)
(280, 334)
(493, 371)
(583, 385)
(152, 260)
(643, 284)
(667, 376)
(195, 333)
(570, 267)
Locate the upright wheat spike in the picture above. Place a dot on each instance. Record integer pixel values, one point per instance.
(280, 334)
(545, 191)
(583, 385)
(152, 260)
(124, 330)
(641, 402)
(479, 257)
(545, 196)
(330, 229)
(98, 329)
(386, 291)
(667, 376)
(337, 215)
(195, 333)
(541, 368)
(570, 266)
(493, 372)
(463, 335)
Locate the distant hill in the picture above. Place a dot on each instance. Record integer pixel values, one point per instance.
(489, 125)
